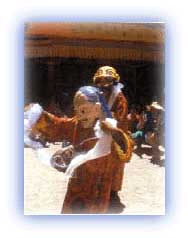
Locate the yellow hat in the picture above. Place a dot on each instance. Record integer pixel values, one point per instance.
(106, 72)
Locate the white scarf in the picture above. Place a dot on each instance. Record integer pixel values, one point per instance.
(116, 90)
(30, 118)
(102, 148)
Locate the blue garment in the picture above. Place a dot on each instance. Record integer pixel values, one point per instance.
(137, 134)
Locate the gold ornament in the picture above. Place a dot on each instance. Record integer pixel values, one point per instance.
(106, 76)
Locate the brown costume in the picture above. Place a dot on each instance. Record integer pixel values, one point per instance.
(89, 189)
(105, 77)
(120, 110)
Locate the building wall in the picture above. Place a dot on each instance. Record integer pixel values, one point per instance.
(59, 80)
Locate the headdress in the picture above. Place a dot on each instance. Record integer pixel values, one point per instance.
(108, 73)
(87, 92)
(92, 94)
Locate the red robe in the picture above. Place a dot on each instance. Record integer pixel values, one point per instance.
(89, 189)
(120, 111)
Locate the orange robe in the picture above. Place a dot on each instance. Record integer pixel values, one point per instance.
(89, 189)
(50, 127)
(120, 111)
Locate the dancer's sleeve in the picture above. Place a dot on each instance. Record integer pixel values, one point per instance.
(54, 128)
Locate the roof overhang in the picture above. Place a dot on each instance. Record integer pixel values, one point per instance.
(124, 41)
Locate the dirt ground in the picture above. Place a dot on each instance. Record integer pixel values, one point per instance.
(143, 190)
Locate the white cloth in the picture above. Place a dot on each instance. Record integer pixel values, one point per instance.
(30, 118)
(102, 148)
(115, 91)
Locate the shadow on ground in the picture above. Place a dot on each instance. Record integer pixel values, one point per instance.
(116, 206)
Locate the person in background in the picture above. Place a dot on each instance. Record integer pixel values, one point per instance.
(132, 119)
(153, 129)
(107, 80)
(135, 125)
